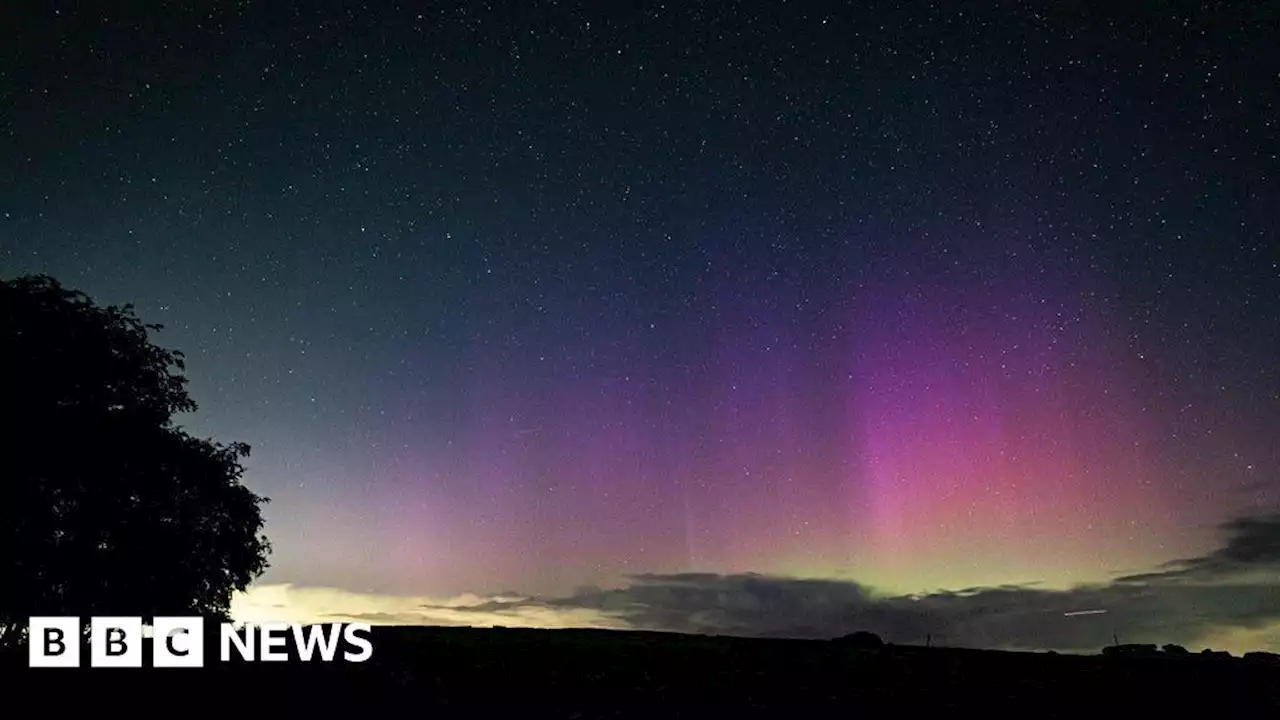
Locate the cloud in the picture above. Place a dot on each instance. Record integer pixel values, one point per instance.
(1225, 599)
(290, 603)
(1251, 552)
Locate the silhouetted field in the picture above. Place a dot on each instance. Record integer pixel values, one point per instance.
(454, 672)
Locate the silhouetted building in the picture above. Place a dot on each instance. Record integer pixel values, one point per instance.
(1131, 650)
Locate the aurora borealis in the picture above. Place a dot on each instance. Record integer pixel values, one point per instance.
(513, 301)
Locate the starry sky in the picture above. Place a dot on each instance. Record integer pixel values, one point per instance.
(516, 299)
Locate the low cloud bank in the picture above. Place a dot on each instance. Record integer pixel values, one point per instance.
(1225, 599)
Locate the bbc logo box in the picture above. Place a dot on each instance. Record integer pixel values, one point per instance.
(177, 642)
(116, 642)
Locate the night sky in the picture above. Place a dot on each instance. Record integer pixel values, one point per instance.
(513, 299)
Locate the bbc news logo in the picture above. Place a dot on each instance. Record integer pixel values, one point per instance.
(179, 642)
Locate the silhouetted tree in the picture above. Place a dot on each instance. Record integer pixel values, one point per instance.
(106, 506)
(1172, 649)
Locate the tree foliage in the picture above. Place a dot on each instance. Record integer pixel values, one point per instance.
(106, 506)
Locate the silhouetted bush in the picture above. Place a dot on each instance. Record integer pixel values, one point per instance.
(860, 639)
